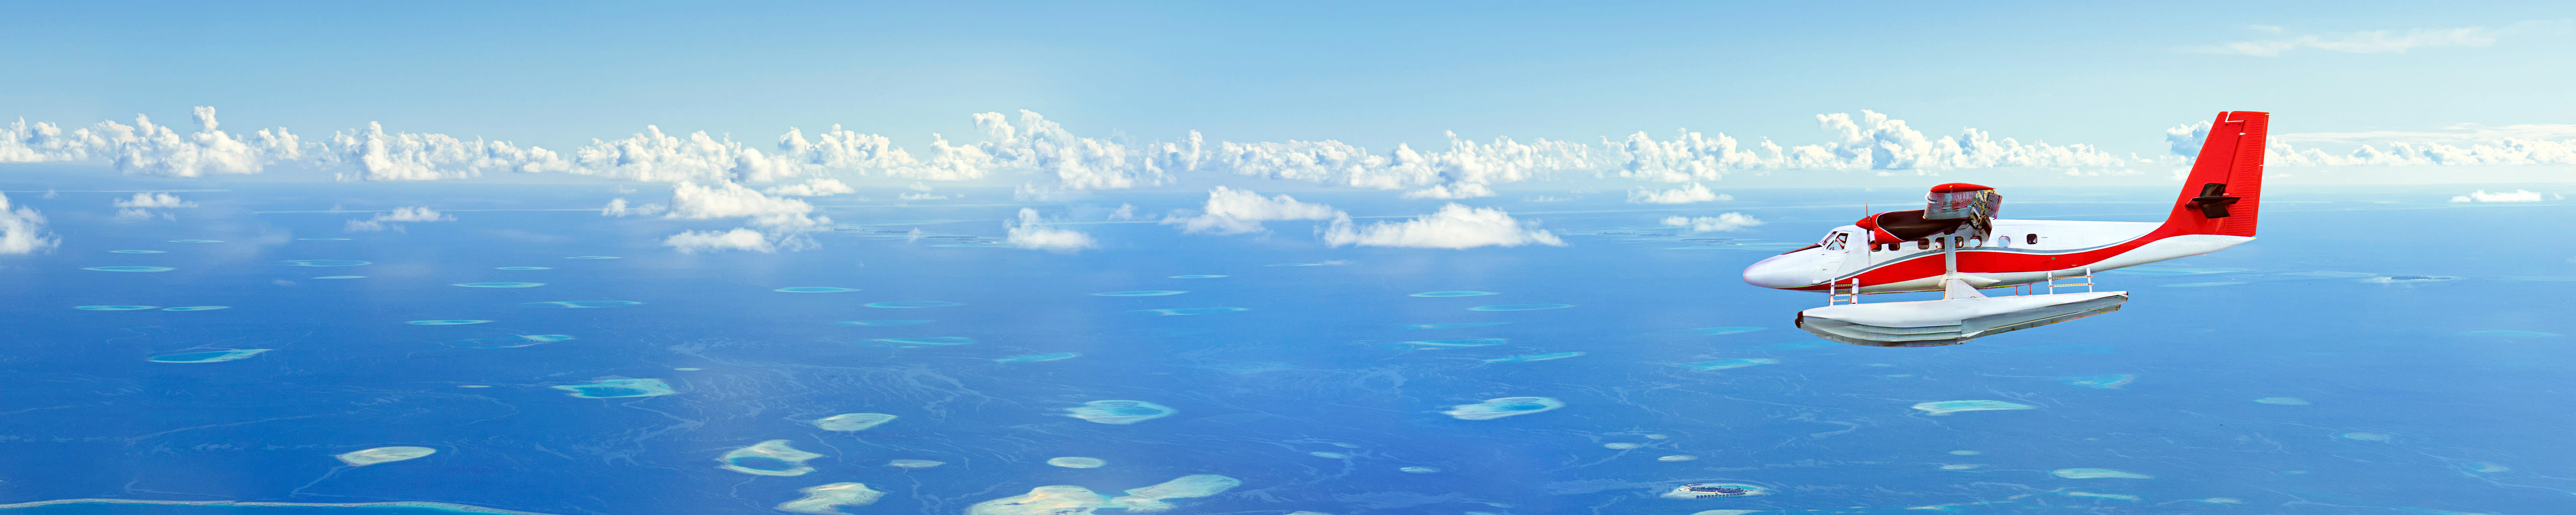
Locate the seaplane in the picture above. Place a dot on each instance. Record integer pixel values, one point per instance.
(1956, 246)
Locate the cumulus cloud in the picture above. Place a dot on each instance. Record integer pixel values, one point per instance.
(399, 214)
(739, 238)
(1684, 195)
(1233, 211)
(694, 201)
(22, 230)
(782, 221)
(813, 188)
(2377, 41)
(1453, 227)
(401, 156)
(2514, 196)
(146, 148)
(1034, 233)
(141, 205)
(1721, 222)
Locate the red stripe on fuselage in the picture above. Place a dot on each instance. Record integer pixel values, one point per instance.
(1983, 260)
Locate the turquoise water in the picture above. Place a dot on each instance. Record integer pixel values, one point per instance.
(2321, 382)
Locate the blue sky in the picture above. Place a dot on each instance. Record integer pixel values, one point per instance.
(1373, 75)
(1285, 96)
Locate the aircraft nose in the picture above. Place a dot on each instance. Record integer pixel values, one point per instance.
(1779, 272)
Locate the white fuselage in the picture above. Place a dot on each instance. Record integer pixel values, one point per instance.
(2018, 252)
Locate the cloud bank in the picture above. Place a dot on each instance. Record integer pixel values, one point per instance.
(2514, 196)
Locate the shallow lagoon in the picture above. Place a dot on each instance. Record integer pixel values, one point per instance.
(1119, 412)
(618, 388)
(208, 356)
(131, 268)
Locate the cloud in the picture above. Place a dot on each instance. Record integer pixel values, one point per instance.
(921, 196)
(1462, 171)
(1694, 193)
(141, 205)
(2378, 41)
(2505, 152)
(154, 201)
(399, 214)
(401, 156)
(2457, 144)
(2514, 196)
(1453, 227)
(693, 201)
(1233, 211)
(1033, 232)
(1049, 158)
(22, 230)
(739, 238)
(813, 188)
(618, 207)
(1125, 212)
(1721, 222)
(146, 148)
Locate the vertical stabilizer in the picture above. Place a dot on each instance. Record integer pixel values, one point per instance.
(2224, 192)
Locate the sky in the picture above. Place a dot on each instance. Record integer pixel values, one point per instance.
(1423, 100)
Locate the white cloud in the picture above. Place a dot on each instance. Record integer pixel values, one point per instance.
(619, 207)
(2378, 41)
(154, 201)
(921, 196)
(690, 200)
(150, 149)
(141, 205)
(817, 187)
(22, 230)
(1033, 232)
(739, 238)
(2514, 196)
(2455, 145)
(415, 214)
(1684, 195)
(401, 156)
(399, 214)
(1721, 222)
(1462, 171)
(1125, 212)
(1233, 211)
(1453, 227)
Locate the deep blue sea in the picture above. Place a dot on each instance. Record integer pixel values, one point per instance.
(2377, 350)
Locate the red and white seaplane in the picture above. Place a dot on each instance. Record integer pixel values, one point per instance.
(1956, 246)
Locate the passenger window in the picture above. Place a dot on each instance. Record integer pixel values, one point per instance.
(2032, 238)
(2005, 242)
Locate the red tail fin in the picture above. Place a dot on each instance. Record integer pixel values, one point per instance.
(2224, 191)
